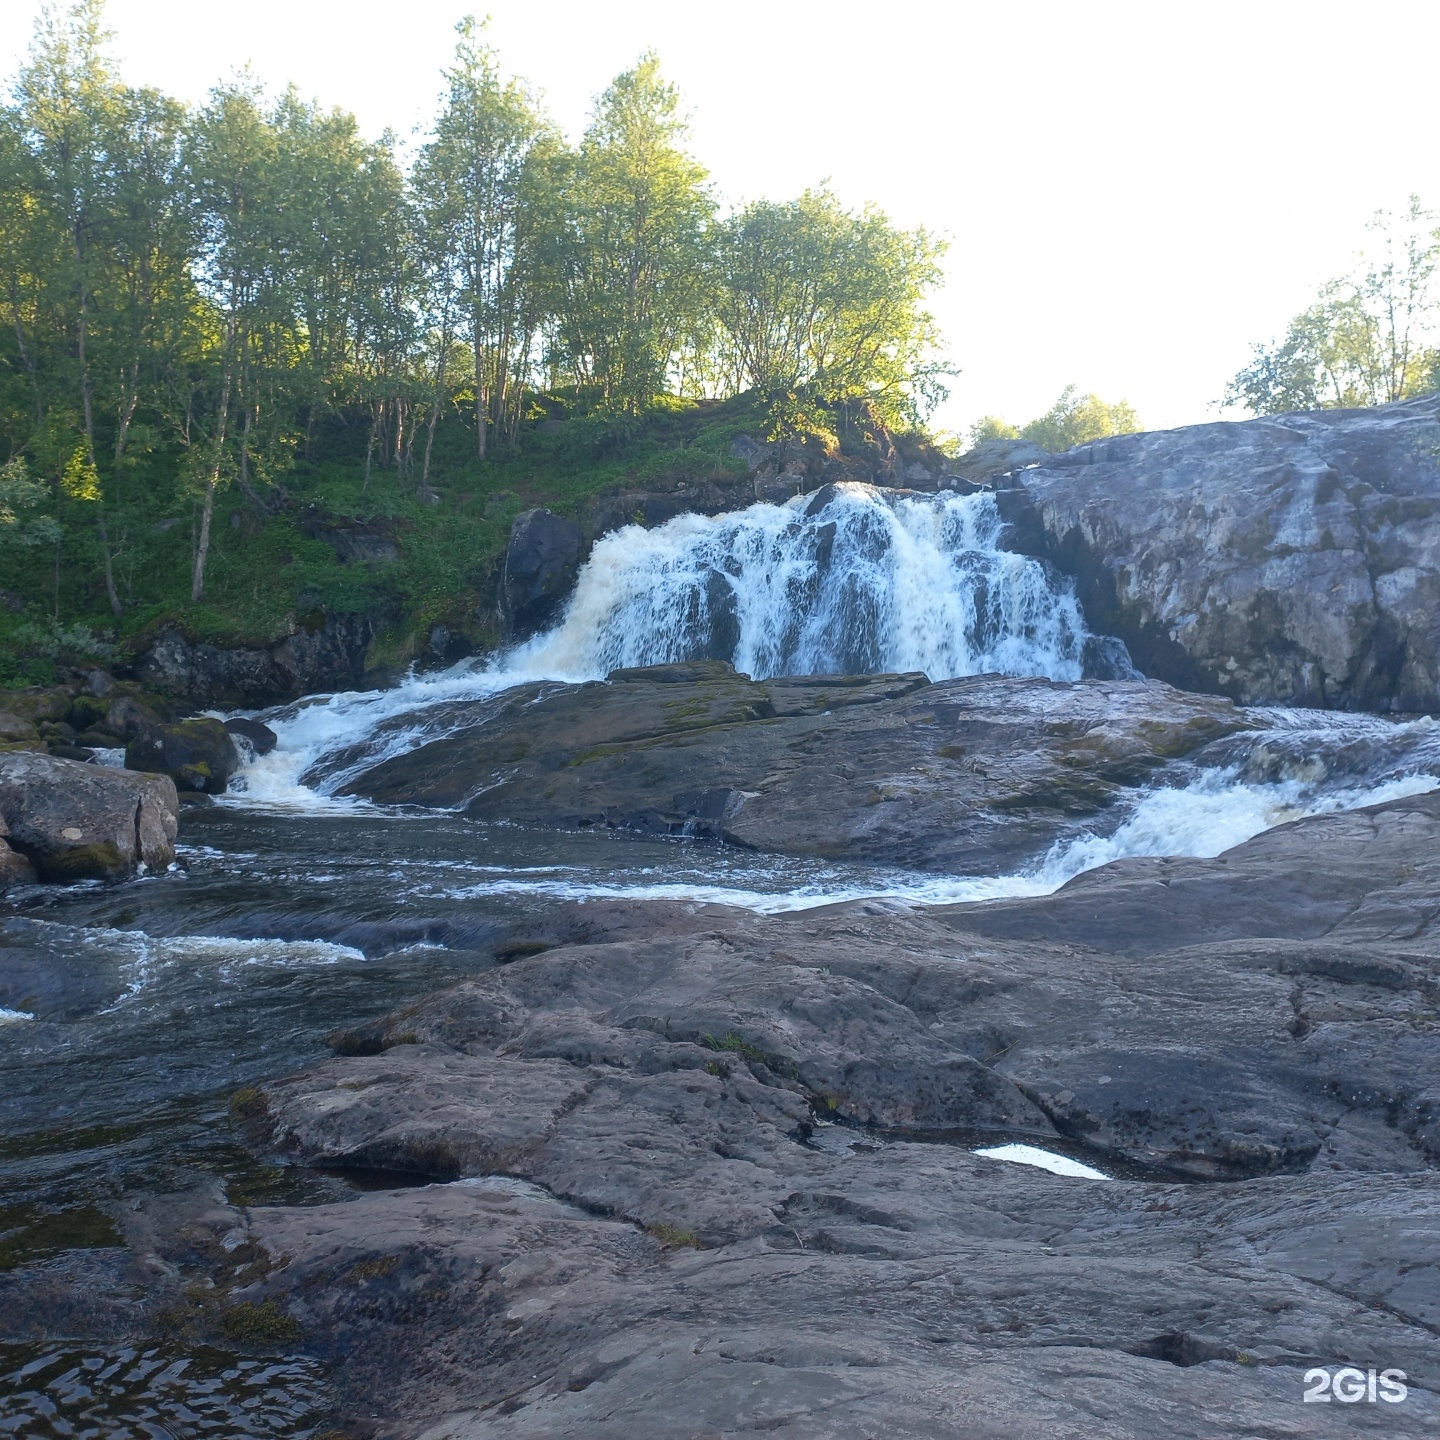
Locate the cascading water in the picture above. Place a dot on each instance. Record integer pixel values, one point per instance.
(851, 580)
(129, 1016)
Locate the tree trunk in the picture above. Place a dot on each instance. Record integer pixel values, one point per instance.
(245, 485)
(425, 493)
(370, 446)
(116, 608)
(202, 550)
(197, 580)
(482, 408)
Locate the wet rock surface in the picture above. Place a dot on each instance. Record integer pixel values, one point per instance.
(260, 737)
(541, 561)
(75, 821)
(701, 1172)
(1290, 559)
(197, 754)
(325, 653)
(967, 775)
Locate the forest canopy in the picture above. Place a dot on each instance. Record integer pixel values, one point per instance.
(191, 299)
(1074, 419)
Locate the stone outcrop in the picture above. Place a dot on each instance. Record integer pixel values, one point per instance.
(74, 821)
(970, 776)
(328, 654)
(542, 560)
(704, 1172)
(197, 754)
(1292, 559)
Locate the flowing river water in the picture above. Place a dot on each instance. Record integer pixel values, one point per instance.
(130, 1014)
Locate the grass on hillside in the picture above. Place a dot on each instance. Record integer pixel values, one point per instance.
(270, 571)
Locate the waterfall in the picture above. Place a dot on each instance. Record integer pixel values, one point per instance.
(848, 580)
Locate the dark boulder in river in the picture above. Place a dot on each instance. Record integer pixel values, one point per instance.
(74, 821)
(969, 775)
(1293, 559)
(260, 737)
(197, 754)
(541, 562)
(715, 1169)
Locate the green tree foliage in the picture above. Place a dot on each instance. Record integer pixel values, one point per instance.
(631, 254)
(1072, 420)
(21, 527)
(815, 299)
(201, 307)
(1370, 337)
(992, 427)
(473, 182)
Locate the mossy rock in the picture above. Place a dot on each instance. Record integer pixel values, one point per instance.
(198, 755)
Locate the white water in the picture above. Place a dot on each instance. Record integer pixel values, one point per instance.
(870, 582)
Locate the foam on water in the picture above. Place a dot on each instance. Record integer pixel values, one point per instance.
(140, 959)
(865, 582)
(871, 581)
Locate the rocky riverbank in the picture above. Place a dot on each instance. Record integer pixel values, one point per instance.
(695, 1171)
(651, 1167)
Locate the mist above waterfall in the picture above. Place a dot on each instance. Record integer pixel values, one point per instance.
(850, 580)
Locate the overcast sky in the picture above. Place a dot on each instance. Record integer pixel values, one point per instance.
(1132, 192)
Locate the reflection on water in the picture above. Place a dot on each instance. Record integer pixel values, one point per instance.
(90, 1393)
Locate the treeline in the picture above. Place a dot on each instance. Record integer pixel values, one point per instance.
(1074, 419)
(1371, 337)
(189, 295)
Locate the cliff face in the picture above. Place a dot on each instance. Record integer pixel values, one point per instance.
(1291, 560)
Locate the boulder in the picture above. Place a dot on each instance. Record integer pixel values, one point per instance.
(74, 821)
(971, 776)
(1293, 559)
(541, 563)
(260, 737)
(354, 543)
(14, 730)
(992, 458)
(324, 652)
(196, 754)
(15, 869)
(128, 716)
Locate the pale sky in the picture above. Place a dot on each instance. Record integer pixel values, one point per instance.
(1132, 191)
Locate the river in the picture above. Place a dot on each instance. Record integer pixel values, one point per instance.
(130, 1015)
